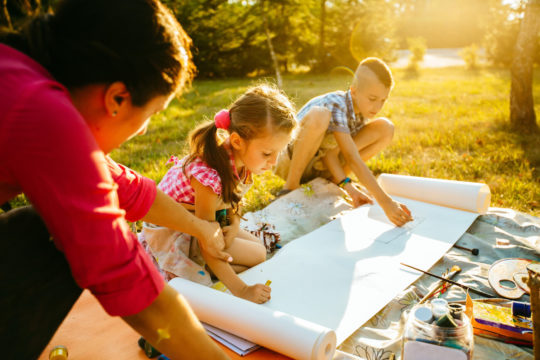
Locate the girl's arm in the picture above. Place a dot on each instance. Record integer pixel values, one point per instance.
(165, 211)
(231, 231)
(205, 207)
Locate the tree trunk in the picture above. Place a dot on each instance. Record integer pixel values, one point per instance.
(5, 14)
(521, 96)
(271, 47)
(322, 52)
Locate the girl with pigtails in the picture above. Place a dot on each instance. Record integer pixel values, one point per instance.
(211, 181)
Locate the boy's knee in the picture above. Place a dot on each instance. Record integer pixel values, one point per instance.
(317, 118)
(385, 128)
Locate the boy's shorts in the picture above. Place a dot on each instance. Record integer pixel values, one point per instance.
(315, 168)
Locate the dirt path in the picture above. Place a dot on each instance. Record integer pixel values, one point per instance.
(434, 58)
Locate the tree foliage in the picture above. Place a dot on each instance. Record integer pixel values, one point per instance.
(502, 27)
(230, 36)
(231, 39)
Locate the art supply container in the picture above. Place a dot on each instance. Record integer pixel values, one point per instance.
(427, 341)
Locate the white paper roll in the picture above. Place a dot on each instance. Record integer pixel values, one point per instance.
(468, 196)
(275, 330)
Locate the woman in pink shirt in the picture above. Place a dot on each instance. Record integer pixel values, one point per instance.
(74, 86)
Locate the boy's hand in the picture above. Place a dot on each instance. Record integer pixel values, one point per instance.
(212, 242)
(358, 196)
(396, 212)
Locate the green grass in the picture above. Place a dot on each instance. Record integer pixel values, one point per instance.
(450, 123)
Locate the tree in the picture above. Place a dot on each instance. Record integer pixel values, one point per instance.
(15, 12)
(501, 27)
(233, 37)
(6, 18)
(270, 45)
(521, 97)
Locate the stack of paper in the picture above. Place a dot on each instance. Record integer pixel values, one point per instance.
(237, 344)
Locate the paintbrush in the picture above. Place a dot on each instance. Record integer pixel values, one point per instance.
(451, 282)
(451, 273)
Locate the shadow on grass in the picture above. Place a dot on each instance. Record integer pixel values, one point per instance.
(530, 142)
(528, 139)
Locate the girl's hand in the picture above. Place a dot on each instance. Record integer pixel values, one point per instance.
(258, 293)
(212, 242)
(396, 212)
(231, 231)
(358, 196)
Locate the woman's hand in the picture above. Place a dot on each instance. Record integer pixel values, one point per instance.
(212, 242)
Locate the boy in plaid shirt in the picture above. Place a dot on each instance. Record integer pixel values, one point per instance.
(338, 133)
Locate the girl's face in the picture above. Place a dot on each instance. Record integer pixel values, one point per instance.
(259, 154)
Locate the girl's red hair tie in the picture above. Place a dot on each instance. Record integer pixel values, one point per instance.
(222, 119)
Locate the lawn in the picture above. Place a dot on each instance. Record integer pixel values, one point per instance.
(450, 123)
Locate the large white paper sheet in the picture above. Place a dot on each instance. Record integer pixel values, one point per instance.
(276, 330)
(343, 273)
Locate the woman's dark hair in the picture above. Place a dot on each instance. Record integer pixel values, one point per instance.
(137, 42)
(261, 110)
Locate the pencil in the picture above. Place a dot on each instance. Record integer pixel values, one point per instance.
(452, 282)
(268, 282)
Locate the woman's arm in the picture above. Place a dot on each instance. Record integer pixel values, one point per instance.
(170, 325)
(166, 212)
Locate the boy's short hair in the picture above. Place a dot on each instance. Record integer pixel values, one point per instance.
(379, 68)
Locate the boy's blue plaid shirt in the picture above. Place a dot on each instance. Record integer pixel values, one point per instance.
(340, 105)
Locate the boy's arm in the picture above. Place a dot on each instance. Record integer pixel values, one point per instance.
(396, 212)
(332, 163)
(165, 211)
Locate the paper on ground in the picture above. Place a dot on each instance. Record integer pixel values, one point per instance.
(237, 344)
(273, 329)
(343, 273)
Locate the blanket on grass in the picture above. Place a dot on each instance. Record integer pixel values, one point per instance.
(320, 201)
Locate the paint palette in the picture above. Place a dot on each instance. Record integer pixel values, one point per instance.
(506, 277)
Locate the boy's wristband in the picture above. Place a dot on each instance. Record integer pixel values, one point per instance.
(344, 182)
